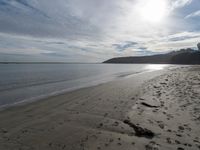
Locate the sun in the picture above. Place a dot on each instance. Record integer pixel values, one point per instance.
(153, 11)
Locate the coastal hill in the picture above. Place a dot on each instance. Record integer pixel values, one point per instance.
(183, 56)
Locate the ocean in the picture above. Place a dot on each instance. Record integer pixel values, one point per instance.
(21, 83)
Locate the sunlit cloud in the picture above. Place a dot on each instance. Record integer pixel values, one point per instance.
(152, 10)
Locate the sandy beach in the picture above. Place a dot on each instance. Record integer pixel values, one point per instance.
(157, 110)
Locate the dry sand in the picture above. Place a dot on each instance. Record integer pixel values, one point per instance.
(148, 111)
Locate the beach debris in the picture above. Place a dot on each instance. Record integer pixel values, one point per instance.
(177, 142)
(100, 125)
(161, 126)
(111, 140)
(169, 130)
(115, 123)
(4, 131)
(119, 143)
(169, 140)
(179, 135)
(156, 86)
(148, 105)
(106, 114)
(139, 131)
(163, 83)
(180, 148)
(181, 128)
(187, 144)
(152, 146)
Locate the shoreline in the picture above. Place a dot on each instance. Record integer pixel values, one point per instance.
(64, 91)
(109, 116)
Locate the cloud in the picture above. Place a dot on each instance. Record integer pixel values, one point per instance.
(68, 19)
(180, 3)
(183, 36)
(43, 19)
(125, 45)
(176, 41)
(88, 30)
(194, 14)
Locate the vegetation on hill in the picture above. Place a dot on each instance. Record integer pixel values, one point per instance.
(183, 56)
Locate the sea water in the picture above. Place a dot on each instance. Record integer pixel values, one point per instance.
(27, 82)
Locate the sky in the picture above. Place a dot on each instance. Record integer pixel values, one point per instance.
(95, 30)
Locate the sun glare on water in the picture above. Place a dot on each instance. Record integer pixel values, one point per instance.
(156, 67)
(153, 11)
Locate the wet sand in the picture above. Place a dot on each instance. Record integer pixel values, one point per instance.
(149, 111)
